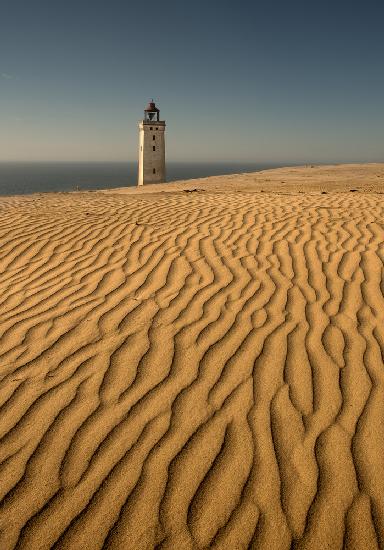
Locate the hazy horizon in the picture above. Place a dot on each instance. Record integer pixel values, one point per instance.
(283, 163)
(264, 83)
(18, 177)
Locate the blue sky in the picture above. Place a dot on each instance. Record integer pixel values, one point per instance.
(239, 81)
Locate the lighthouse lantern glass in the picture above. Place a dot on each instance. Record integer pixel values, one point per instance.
(150, 116)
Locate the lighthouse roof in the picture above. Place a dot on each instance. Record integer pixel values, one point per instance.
(151, 108)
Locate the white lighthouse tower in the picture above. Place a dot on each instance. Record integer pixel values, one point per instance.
(151, 146)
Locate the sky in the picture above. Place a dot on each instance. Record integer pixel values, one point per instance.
(244, 81)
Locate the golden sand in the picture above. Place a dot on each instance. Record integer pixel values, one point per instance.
(189, 370)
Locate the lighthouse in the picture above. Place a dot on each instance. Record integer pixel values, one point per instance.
(151, 146)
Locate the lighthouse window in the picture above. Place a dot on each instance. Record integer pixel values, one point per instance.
(151, 128)
(156, 128)
(153, 138)
(154, 148)
(154, 170)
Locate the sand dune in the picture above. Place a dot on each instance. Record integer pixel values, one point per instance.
(195, 370)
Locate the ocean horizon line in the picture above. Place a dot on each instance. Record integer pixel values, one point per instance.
(18, 178)
(26, 177)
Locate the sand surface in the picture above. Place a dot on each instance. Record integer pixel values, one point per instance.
(189, 370)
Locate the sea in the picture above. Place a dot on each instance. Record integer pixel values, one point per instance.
(19, 178)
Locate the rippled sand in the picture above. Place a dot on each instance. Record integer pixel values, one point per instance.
(186, 370)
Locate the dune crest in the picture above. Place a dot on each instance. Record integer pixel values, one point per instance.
(192, 370)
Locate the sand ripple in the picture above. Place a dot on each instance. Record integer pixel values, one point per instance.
(191, 371)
